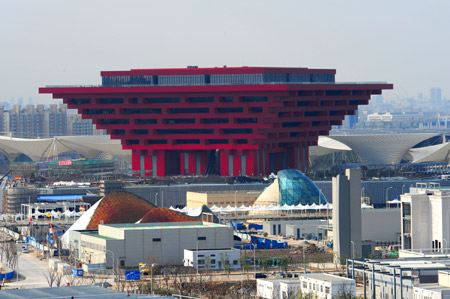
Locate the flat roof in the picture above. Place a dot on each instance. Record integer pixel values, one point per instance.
(178, 225)
(78, 292)
(325, 277)
(433, 287)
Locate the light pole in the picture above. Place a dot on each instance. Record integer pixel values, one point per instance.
(254, 259)
(387, 193)
(363, 190)
(403, 188)
(196, 253)
(151, 271)
(235, 202)
(353, 250)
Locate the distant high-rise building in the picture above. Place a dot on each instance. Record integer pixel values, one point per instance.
(77, 126)
(435, 95)
(34, 121)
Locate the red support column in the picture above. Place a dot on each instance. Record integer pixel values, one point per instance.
(224, 163)
(192, 164)
(161, 163)
(135, 159)
(250, 166)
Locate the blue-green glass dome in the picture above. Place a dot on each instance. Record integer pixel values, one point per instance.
(295, 188)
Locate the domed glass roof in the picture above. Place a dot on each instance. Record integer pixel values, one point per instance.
(295, 188)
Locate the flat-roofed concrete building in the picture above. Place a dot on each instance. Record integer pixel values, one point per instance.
(161, 243)
(327, 286)
(426, 218)
(221, 198)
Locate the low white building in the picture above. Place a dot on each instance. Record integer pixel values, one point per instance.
(435, 291)
(425, 218)
(326, 286)
(214, 259)
(289, 288)
(162, 243)
(277, 288)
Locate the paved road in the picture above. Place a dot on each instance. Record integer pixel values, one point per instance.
(31, 272)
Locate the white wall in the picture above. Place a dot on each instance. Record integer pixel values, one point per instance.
(216, 259)
(381, 224)
(268, 289)
(289, 289)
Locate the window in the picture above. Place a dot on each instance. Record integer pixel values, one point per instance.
(189, 110)
(327, 290)
(185, 131)
(237, 131)
(201, 100)
(157, 141)
(180, 121)
(139, 131)
(215, 120)
(161, 100)
(111, 101)
(147, 121)
(187, 141)
(235, 262)
(99, 111)
(254, 99)
(80, 101)
(230, 110)
(201, 238)
(305, 285)
(291, 124)
(256, 109)
(218, 141)
(142, 110)
(251, 120)
(156, 239)
(213, 262)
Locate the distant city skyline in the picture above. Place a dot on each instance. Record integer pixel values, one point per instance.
(48, 42)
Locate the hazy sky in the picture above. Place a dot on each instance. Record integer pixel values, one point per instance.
(69, 42)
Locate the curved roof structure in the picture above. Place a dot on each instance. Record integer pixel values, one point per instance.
(327, 145)
(38, 149)
(291, 188)
(432, 153)
(381, 149)
(119, 207)
(296, 188)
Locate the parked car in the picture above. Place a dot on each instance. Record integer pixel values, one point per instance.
(260, 275)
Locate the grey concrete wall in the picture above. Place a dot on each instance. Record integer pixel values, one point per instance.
(382, 225)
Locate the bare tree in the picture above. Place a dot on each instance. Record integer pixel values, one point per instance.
(50, 276)
(58, 279)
